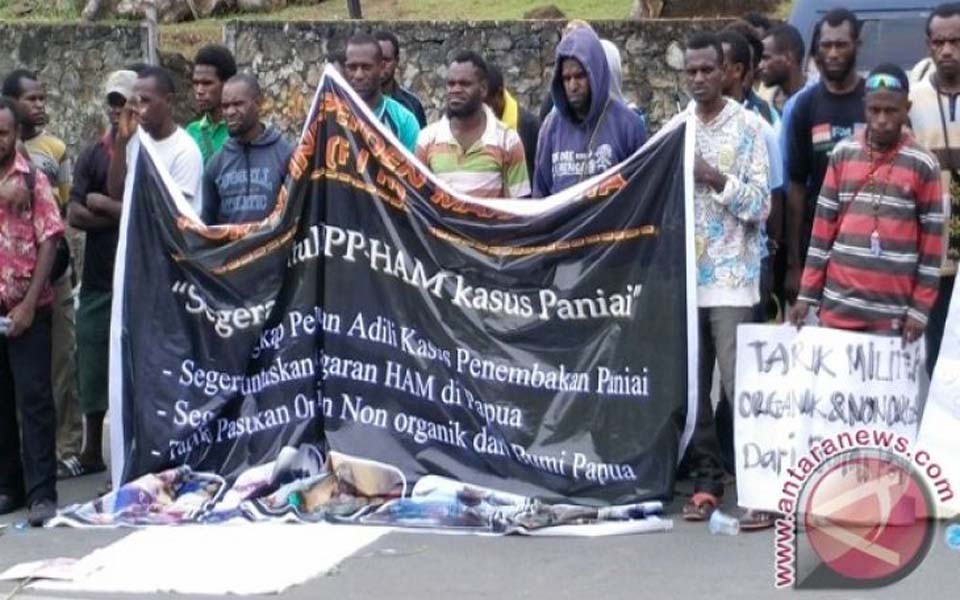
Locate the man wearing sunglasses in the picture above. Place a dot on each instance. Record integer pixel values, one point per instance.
(874, 258)
(94, 212)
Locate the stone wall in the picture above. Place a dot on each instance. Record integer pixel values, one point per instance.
(72, 60)
(288, 57)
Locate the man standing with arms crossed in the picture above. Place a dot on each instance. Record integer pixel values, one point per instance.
(93, 211)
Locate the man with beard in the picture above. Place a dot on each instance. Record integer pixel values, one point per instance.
(936, 124)
(93, 211)
(781, 64)
(823, 115)
(390, 47)
(363, 69)
(470, 148)
(589, 130)
(240, 183)
(213, 66)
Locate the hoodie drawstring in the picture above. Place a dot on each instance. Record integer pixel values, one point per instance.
(246, 160)
(593, 136)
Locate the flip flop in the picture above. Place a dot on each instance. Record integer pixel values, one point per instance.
(700, 506)
(755, 520)
(105, 489)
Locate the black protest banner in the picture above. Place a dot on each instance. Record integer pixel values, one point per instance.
(380, 315)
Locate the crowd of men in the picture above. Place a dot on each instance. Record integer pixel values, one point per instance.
(814, 189)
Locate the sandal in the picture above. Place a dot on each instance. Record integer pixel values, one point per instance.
(754, 520)
(700, 506)
(72, 467)
(105, 489)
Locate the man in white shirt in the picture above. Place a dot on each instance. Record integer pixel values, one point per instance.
(152, 110)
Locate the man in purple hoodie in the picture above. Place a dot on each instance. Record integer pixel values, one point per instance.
(588, 131)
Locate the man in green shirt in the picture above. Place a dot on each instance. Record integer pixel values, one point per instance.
(363, 70)
(212, 66)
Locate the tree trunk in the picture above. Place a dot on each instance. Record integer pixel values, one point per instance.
(647, 9)
(92, 10)
(354, 7)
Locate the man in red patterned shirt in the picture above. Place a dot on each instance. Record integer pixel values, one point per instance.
(30, 225)
(874, 258)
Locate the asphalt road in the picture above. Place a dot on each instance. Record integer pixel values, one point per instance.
(684, 563)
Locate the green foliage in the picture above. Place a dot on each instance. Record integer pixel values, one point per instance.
(386, 10)
(372, 9)
(39, 10)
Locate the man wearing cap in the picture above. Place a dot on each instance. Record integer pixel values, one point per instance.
(874, 258)
(92, 210)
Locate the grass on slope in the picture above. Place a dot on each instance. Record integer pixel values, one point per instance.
(386, 10)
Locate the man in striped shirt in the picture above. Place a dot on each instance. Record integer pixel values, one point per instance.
(469, 148)
(874, 257)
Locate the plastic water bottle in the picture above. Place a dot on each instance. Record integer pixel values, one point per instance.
(630, 511)
(723, 524)
(404, 510)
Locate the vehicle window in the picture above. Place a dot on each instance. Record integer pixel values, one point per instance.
(901, 41)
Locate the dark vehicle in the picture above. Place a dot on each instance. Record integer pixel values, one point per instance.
(893, 30)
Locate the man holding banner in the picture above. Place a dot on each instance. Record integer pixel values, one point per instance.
(731, 201)
(152, 112)
(363, 66)
(874, 257)
(469, 147)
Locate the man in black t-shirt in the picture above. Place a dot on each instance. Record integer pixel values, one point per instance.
(823, 115)
(93, 211)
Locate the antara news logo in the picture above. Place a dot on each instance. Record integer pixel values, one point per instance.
(859, 512)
